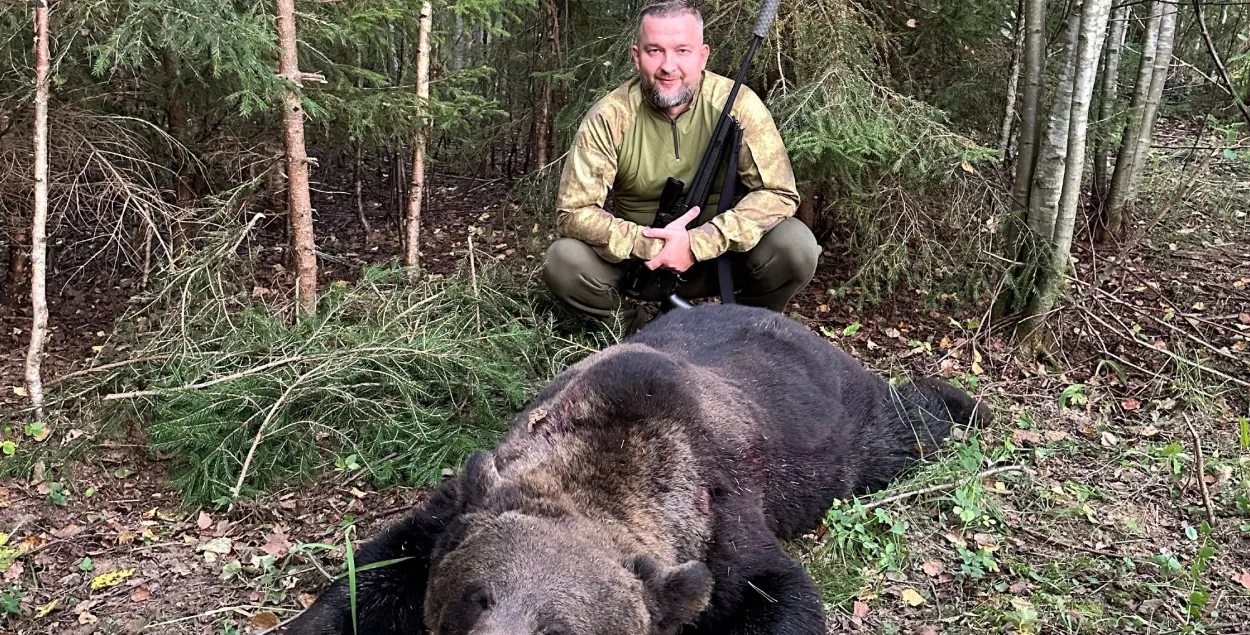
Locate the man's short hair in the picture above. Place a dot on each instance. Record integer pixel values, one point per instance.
(668, 9)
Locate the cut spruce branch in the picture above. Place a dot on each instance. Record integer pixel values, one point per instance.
(220, 380)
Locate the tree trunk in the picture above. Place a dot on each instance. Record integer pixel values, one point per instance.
(1091, 28)
(299, 204)
(1031, 108)
(1112, 219)
(1048, 178)
(1107, 97)
(39, 223)
(415, 193)
(1009, 114)
(358, 175)
(1163, 61)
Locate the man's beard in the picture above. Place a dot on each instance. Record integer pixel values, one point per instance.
(683, 94)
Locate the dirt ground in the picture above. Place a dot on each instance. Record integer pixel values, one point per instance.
(1097, 526)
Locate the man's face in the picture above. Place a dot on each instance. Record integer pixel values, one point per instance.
(670, 56)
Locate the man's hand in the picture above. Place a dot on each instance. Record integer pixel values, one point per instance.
(676, 254)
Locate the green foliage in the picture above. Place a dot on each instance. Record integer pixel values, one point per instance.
(398, 378)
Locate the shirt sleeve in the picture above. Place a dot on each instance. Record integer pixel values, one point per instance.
(765, 171)
(589, 171)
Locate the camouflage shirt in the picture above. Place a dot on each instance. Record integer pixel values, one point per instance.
(628, 146)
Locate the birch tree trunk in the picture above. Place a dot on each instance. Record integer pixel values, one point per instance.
(1091, 28)
(176, 111)
(417, 190)
(1112, 218)
(1107, 98)
(1009, 114)
(1048, 177)
(299, 204)
(1031, 106)
(39, 222)
(1162, 62)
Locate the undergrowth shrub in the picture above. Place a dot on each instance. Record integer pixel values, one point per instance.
(400, 379)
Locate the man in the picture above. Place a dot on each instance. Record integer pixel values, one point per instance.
(655, 126)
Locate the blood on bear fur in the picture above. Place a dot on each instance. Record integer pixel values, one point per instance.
(648, 490)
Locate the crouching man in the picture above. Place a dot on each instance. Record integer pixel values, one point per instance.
(655, 126)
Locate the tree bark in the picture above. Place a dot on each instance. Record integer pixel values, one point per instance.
(1112, 218)
(1162, 62)
(417, 190)
(299, 204)
(39, 222)
(1009, 114)
(1107, 98)
(1031, 106)
(1091, 29)
(1048, 177)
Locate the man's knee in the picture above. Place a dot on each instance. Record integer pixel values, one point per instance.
(564, 265)
(575, 273)
(789, 250)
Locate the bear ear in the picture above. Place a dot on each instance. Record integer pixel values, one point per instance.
(679, 593)
(480, 477)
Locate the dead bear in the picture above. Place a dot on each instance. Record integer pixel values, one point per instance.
(648, 489)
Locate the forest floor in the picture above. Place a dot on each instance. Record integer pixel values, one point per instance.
(1080, 509)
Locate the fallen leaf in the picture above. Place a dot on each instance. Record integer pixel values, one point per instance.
(1109, 439)
(927, 630)
(1019, 587)
(1023, 437)
(14, 571)
(1244, 318)
(112, 578)
(1243, 579)
(306, 599)
(85, 618)
(217, 545)
(265, 619)
(277, 545)
(893, 332)
(911, 24)
(140, 594)
(932, 567)
(20, 391)
(204, 521)
(47, 608)
(860, 610)
(912, 598)
(1054, 436)
(1130, 404)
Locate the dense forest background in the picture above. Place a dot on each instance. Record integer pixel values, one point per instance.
(272, 268)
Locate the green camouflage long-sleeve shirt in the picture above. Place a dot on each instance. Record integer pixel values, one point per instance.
(629, 147)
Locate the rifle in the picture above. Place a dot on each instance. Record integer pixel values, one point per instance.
(724, 144)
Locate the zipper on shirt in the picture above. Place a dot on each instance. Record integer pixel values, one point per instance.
(676, 147)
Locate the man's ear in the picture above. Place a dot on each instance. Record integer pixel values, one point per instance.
(677, 594)
(637, 55)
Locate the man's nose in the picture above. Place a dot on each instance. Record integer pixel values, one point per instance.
(669, 65)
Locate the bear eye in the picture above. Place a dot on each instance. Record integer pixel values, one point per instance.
(481, 598)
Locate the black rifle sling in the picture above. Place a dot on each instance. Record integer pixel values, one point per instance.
(724, 265)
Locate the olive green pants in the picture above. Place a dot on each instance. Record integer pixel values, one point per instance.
(781, 264)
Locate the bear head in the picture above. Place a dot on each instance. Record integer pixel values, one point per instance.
(513, 566)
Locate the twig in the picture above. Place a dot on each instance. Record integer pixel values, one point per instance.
(1219, 64)
(1065, 544)
(96, 369)
(260, 433)
(945, 486)
(251, 371)
(1202, 473)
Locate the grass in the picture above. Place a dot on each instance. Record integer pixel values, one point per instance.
(394, 379)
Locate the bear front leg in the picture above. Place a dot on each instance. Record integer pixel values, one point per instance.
(778, 600)
(389, 599)
(759, 589)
